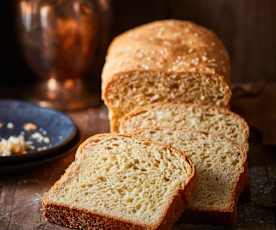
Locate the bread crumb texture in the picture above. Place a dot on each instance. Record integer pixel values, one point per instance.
(123, 178)
(14, 145)
(220, 165)
(215, 120)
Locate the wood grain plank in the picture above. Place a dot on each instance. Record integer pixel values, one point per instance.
(91, 121)
(7, 192)
(24, 212)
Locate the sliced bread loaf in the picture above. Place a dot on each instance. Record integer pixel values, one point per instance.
(165, 61)
(221, 172)
(117, 182)
(216, 120)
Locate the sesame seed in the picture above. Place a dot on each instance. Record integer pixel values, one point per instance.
(195, 61)
(144, 66)
(204, 58)
(160, 32)
(190, 50)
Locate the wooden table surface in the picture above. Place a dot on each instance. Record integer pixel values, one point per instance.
(20, 194)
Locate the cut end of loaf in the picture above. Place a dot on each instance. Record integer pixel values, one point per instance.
(136, 89)
(116, 178)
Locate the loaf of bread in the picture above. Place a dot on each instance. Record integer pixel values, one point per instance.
(118, 182)
(221, 172)
(165, 61)
(215, 120)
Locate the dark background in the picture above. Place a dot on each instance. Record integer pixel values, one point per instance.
(247, 27)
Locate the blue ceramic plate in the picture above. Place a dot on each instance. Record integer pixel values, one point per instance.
(54, 130)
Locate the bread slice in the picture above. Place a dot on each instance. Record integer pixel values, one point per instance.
(216, 120)
(221, 172)
(118, 182)
(165, 61)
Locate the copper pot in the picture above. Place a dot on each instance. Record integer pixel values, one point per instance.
(60, 39)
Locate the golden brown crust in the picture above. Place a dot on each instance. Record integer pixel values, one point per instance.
(83, 219)
(169, 47)
(166, 42)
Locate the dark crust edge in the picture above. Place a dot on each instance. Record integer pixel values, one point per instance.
(82, 219)
(218, 217)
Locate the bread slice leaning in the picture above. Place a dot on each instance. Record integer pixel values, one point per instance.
(118, 182)
(221, 172)
(215, 120)
(165, 61)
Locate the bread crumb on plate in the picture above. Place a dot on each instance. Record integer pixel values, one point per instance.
(14, 145)
(10, 125)
(30, 126)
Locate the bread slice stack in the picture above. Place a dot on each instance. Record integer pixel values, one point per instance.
(175, 75)
(221, 168)
(215, 139)
(118, 182)
(165, 61)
